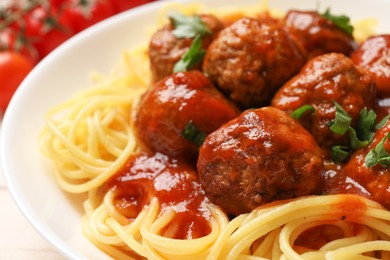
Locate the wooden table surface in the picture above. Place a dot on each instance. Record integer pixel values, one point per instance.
(18, 239)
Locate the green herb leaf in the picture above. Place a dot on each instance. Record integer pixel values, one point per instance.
(188, 26)
(193, 56)
(340, 153)
(378, 154)
(298, 113)
(382, 123)
(370, 159)
(342, 120)
(341, 21)
(192, 134)
(366, 124)
(354, 141)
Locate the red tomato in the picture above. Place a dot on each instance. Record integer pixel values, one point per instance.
(50, 40)
(17, 42)
(14, 67)
(122, 5)
(81, 14)
(59, 5)
(42, 27)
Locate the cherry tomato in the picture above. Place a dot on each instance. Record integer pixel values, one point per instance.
(45, 30)
(17, 42)
(59, 5)
(50, 40)
(81, 14)
(122, 5)
(14, 67)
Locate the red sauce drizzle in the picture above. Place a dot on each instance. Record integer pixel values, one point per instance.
(176, 186)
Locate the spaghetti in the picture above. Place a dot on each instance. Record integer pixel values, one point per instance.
(89, 138)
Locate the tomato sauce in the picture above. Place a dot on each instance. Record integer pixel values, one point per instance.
(335, 181)
(173, 183)
(315, 238)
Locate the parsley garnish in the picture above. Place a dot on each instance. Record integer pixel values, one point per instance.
(340, 153)
(193, 56)
(359, 137)
(354, 141)
(192, 134)
(298, 113)
(382, 122)
(341, 21)
(341, 122)
(378, 154)
(366, 125)
(188, 26)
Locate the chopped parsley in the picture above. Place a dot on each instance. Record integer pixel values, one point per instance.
(193, 134)
(378, 154)
(340, 153)
(298, 113)
(359, 137)
(188, 26)
(366, 125)
(193, 56)
(342, 121)
(341, 21)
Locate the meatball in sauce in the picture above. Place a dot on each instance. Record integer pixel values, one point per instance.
(261, 156)
(323, 80)
(375, 179)
(250, 60)
(317, 35)
(167, 107)
(165, 49)
(374, 55)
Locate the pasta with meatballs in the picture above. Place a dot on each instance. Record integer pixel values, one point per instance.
(230, 136)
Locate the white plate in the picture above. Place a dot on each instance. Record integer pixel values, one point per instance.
(55, 214)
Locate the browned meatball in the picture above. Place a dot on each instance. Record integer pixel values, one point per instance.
(261, 156)
(165, 49)
(374, 55)
(323, 80)
(317, 35)
(250, 60)
(375, 179)
(166, 109)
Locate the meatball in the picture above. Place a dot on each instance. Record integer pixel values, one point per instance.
(323, 80)
(166, 109)
(374, 55)
(375, 179)
(250, 60)
(261, 156)
(165, 49)
(317, 35)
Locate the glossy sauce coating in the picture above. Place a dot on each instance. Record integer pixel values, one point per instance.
(374, 55)
(173, 183)
(336, 181)
(317, 35)
(166, 109)
(323, 80)
(250, 60)
(165, 49)
(261, 156)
